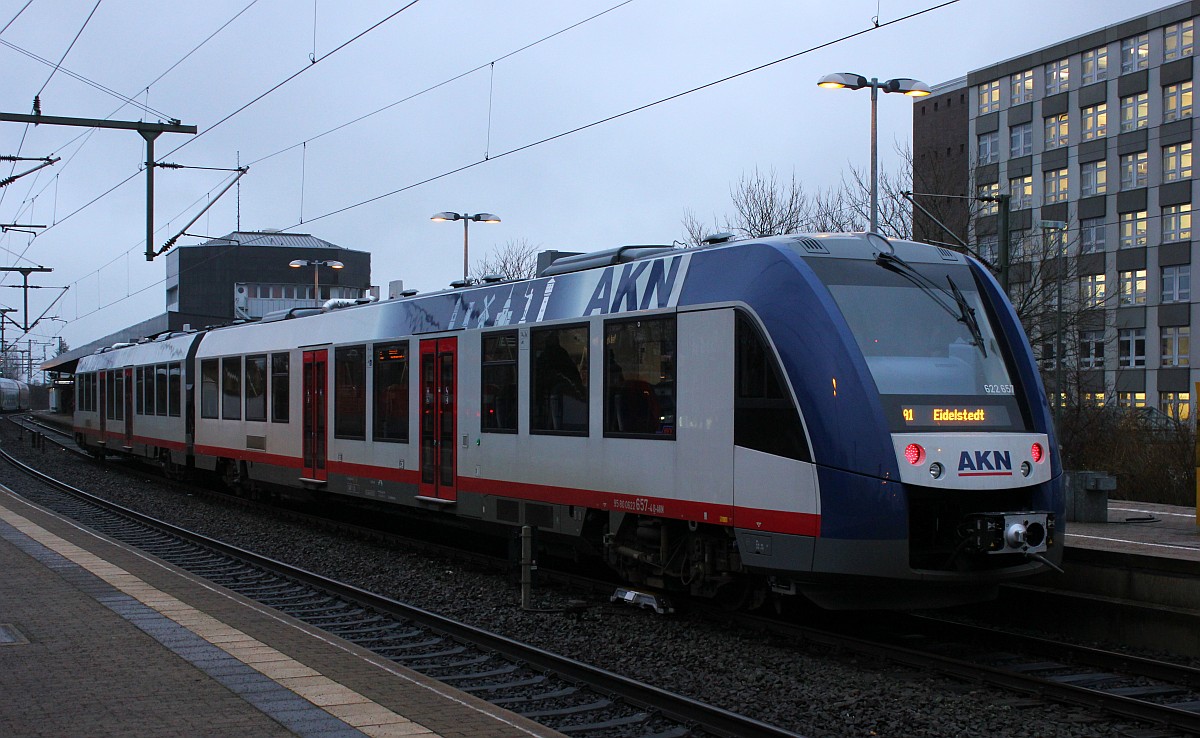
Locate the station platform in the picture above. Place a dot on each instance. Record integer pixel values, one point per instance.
(97, 639)
(1141, 528)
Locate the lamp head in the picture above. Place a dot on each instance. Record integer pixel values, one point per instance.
(444, 216)
(910, 87)
(839, 80)
(297, 263)
(334, 264)
(485, 218)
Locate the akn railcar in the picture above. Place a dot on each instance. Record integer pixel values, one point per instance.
(839, 415)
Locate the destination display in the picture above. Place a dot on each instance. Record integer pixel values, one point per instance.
(982, 416)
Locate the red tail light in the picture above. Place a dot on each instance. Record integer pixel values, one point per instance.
(914, 453)
(1038, 453)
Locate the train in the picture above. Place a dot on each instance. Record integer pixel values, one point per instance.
(845, 419)
(14, 395)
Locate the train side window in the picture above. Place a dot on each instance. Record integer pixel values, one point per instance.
(350, 392)
(231, 388)
(174, 389)
(279, 388)
(559, 400)
(210, 398)
(161, 392)
(639, 378)
(764, 417)
(256, 387)
(390, 407)
(498, 375)
(118, 384)
(109, 386)
(139, 391)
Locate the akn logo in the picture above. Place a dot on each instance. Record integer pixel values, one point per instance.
(985, 464)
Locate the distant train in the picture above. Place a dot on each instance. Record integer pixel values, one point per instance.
(14, 396)
(841, 416)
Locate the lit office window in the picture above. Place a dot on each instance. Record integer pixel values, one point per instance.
(1093, 178)
(1094, 122)
(1055, 189)
(1134, 170)
(1133, 229)
(1056, 131)
(989, 97)
(1135, 53)
(1177, 101)
(1177, 162)
(1094, 64)
(1176, 405)
(989, 207)
(1178, 40)
(1135, 112)
(1058, 76)
(1177, 222)
(1020, 87)
(1020, 191)
(1175, 346)
(1091, 290)
(1131, 287)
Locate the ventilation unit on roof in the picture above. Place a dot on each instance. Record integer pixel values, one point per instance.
(947, 254)
(812, 245)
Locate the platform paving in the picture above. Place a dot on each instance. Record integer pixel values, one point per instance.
(100, 640)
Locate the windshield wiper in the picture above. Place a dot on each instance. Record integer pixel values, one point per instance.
(961, 310)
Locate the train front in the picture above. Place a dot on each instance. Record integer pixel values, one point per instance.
(939, 475)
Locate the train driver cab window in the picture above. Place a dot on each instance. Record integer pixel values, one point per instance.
(764, 416)
(498, 395)
(639, 378)
(350, 392)
(210, 398)
(231, 388)
(256, 387)
(390, 422)
(279, 388)
(559, 400)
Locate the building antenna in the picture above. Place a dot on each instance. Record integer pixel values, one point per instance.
(239, 193)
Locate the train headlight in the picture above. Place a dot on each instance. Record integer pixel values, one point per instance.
(914, 453)
(936, 470)
(1038, 453)
(1026, 468)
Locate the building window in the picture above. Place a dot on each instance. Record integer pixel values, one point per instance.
(989, 97)
(1094, 64)
(1020, 140)
(1177, 222)
(1058, 76)
(1175, 351)
(1177, 101)
(1135, 112)
(1018, 245)
(1135, 53)
(256, 387)
(1130, 400)
(1176, 405)
(1093, 178)
(559, 401)
(1055, 182)
(1093, 399)
(989, 247)
(231, 388)
(1133, 229)
(1131, 287)
(1056, 131)
(989, 147)
(1095, 122)
(280, 386)
(1134, 170)
(1091, 290)
(1091, 349)
(1177, 40)
(1021, 192)
(390, 393)
(1091, 235)
(1177, 283)
(1131, 348)
(1177, 162)
(639, 377)
(989, 207)
(350, 392)
(1020, 87)
(499, 377)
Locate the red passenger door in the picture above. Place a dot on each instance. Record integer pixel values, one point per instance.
(439, 407)
(315, 406)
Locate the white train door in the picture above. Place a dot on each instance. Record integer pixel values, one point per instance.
(439, 409)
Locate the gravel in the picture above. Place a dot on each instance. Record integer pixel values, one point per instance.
(809, 689)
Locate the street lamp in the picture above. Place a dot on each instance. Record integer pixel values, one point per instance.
(316, 264)
(851, 81)
(466, 218)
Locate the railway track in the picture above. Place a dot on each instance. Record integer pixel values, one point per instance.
(562, 693)
(1162, 694)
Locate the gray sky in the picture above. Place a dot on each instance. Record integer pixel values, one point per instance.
(629, 180)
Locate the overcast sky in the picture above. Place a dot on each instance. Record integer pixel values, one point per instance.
(629, 180)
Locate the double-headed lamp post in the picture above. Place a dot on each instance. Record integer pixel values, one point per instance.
(851, 81)
(316, 264)
(466, 218)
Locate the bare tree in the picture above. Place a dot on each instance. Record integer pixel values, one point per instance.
(516, 259)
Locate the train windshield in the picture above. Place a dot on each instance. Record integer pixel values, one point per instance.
(928, 340)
